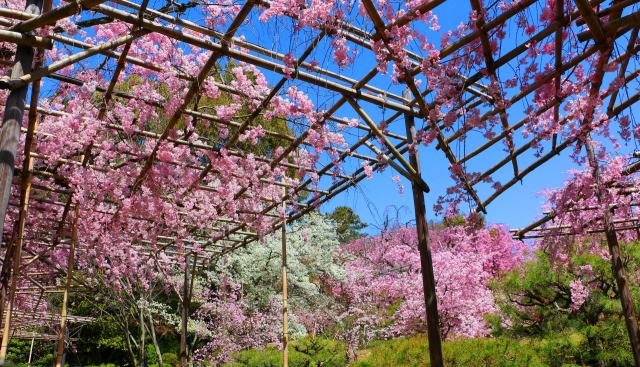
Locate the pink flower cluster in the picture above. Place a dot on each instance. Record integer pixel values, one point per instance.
(384, 284)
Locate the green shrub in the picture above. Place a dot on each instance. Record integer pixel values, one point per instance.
(306, 352)
(170, 359)
(605, 344)
(501, 352)
(316, 351)
(413, 352)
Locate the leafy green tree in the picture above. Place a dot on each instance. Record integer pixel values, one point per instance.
(348, 222)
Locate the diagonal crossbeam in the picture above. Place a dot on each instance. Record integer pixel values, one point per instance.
(424, 109)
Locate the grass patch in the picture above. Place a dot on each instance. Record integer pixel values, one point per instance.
(413, 352)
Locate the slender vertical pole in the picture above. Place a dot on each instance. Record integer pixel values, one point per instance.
(31, 350)
(617, 265)
(143, 336)
(152, 329)
(285, 332)
(426, 263)
(185, 315)
(65, 296)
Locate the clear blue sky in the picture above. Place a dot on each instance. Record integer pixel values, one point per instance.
(376, 198)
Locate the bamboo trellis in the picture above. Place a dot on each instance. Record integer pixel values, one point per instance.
(363, 93)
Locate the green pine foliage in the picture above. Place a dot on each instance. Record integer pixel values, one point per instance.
(414, 352)
(536, 304)
(348, 223)
(305, 352)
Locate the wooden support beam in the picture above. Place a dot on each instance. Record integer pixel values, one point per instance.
(615, 27)
(410, 170)
(12, 118)
(426, 261)
(595, 27)
(617, 5)
(624, 294)
(9, 136)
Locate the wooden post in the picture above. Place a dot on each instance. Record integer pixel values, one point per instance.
(285, 332)
(426, 263)
(186, 298)
(617, 265)
(65, 296)
(12, 118)
(9, 136)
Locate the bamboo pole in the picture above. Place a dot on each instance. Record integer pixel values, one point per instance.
(283, 267)
(22, 81)
(262, 50)
(186, 298)
(31, 351)
(252, 59)
(426, 262)
(25, 39)
(65, 296)
(52, 16)
(194, 88)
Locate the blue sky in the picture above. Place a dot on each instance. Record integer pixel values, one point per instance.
(520, 205)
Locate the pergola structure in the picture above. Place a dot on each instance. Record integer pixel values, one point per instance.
(386, 111)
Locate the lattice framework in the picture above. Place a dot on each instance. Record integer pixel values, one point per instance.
(361, 95)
